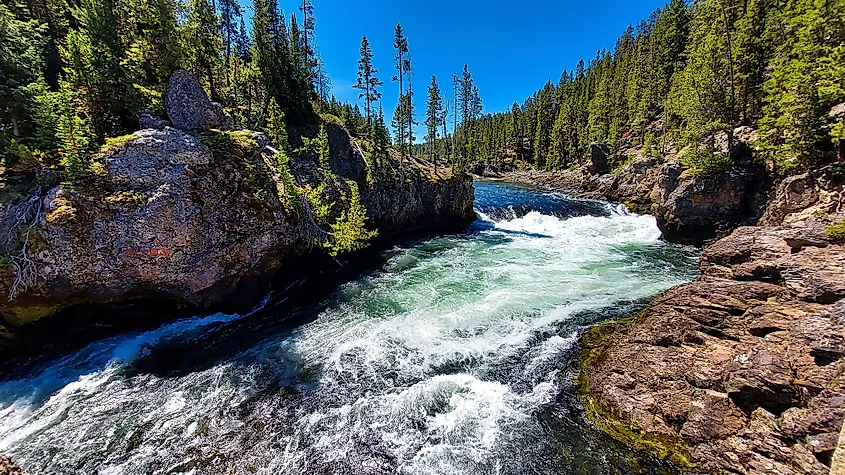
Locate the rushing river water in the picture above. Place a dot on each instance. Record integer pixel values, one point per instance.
(450, 357)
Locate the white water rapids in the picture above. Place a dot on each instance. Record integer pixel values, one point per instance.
(447, 359)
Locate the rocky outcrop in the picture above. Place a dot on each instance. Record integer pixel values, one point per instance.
(739, 371)
(700, 208)
(7, 467)
(189, 107)
(689, 209)
(804, 197)
(206, 218)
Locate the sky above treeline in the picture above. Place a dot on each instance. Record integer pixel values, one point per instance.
(512, 47)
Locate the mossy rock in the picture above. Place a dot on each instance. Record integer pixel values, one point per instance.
(21, 315)
(127, 199)
(613, 422)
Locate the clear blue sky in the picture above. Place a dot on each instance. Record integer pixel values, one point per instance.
(512, 47)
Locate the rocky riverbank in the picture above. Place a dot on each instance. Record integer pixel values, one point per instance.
(203, 215)
(690, 209)
(741, 370)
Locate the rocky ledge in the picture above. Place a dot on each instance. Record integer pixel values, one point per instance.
(741, 370)
(204, 216)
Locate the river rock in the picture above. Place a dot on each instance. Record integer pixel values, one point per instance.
(189, 107)
(740, 370)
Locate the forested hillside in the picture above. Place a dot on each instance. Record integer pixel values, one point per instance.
(76, 72)
(689, 75)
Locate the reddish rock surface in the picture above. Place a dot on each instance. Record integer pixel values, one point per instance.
(741, 370)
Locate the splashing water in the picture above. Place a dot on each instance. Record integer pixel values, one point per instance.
(449, 358)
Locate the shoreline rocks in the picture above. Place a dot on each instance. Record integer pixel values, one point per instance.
(738, 371)
(7, 467)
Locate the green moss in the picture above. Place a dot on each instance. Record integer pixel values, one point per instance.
(22, 315)
(130, 199)
(639, 208)
(227, 142)
(836, 232)
(615, 423)
(64, 212)
(113, 143)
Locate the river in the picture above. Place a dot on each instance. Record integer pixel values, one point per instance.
(450, 355)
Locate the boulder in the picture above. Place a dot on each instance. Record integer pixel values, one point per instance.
(148, 121)
(599, 159)
(189, 107)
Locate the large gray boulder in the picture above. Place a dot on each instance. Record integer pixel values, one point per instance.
(189, 107)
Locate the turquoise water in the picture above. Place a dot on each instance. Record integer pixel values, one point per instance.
(450, 358)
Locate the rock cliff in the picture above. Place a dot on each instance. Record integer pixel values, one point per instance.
(201, 216)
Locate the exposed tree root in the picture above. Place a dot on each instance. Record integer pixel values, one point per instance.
(27, 216)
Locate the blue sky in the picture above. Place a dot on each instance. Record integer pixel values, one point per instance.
(512, 48)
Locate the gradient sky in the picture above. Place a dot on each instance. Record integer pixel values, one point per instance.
(512, 48)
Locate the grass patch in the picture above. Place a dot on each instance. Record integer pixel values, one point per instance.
(836, 232)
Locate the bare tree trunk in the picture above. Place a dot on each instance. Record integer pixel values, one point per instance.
(732, 111)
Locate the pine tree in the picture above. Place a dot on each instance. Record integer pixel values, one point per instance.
(229, 14)
(205, 44)
(400, 44)
(275, 128)
(21, 63)
(73, 137)
(433, 111)
(368, 83)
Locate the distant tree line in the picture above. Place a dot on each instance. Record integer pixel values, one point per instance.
(705, 68)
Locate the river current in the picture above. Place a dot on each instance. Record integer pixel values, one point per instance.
(450, 355)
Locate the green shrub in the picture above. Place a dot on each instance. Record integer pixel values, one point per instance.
(331, 119)
(703, 161)
(836, 232)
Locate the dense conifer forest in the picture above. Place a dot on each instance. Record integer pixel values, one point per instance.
(76, 72)
(688, 74)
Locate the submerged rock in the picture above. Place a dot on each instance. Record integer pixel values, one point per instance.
(738, 371)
